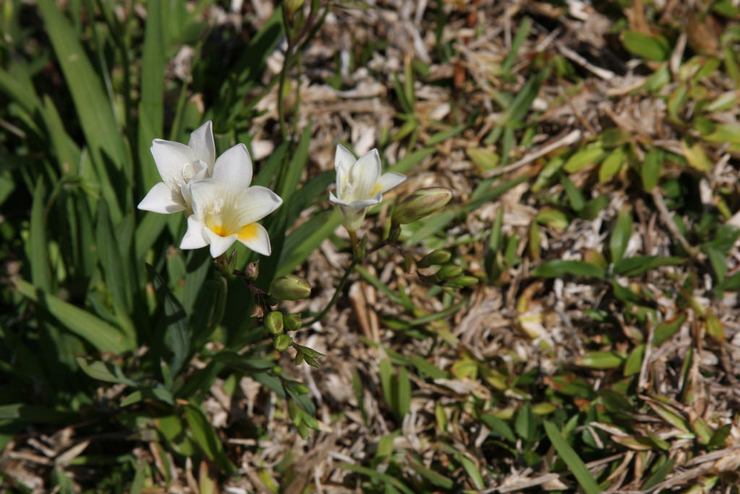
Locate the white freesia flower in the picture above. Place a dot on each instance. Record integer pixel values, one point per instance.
(180, 165)
(227, 209)
(360, 184)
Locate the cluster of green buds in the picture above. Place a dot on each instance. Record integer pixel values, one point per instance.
(285, 288)
(438, 267)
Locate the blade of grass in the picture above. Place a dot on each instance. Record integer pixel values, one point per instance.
(93, 108)
(95, 331)
(37, 242)
(571, 459)
(151, 104)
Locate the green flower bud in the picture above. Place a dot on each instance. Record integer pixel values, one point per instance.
(282, 342)
(448, 271)
(463, 282)
(292, 322)
(290, 288)
(421, 203)
(274, 322)
(435, 258)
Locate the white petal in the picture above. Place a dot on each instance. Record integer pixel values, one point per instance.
(219, 244)
(258, 240)
(234, 168)
(194, 238)
(365, 203)
(254, 203)
(335, 200)
(201, 142)
(389, 181)
(343, 161)
(365, 174)
(161, 199)
(203, 194)
(170, 158)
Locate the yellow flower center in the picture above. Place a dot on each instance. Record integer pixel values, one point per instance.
(219, 230)
(248, 232)
(376, 190)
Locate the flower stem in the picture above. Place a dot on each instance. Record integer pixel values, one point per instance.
(335, 297)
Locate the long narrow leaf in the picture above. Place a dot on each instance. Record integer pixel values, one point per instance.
(151, 105)
(95, 331)
(93, 108)
(570, 457)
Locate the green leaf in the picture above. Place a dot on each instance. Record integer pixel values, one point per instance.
(289, 178)
(113, 263)
(485, 159)
(66, 150)
(151, 104)
(147, 233)
(589, 156)
(411, 160)
(571, 459)
(620, 235)
(498, 427)
(651, 169)
(611, 165)
(732, 283)
(525, 423)
(377, 476)
(172, 429)
(559, 269)
(97, 332)
(472, 470)
(205, 437)
(386, 381)
(665, 330)
(306, 238)
(403, 392)
(633, 365)
(93, 107)
(600, 360)
(17, 86)
(37, 243)
(659, 474)
(176, 337)
(647, 46)
(638, 265)
(432, 476)
(428, 369)
(575, 197)
(697, 157)
(104, 371)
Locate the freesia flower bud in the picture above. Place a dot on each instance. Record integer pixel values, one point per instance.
(290, 288)
(282, 342)
(274, 322)
(420, 204)
(292, 322)
(436, 257)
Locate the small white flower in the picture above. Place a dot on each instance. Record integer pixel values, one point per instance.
(227, 209)
(180, 165)
(360, 184)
